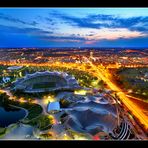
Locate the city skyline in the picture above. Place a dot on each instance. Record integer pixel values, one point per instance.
(73, 27)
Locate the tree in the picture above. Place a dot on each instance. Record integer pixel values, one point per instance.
(64, 103)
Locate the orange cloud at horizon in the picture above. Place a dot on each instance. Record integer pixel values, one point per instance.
(90, 42)
(113, 34)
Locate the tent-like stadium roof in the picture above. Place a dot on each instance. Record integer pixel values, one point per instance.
(46, 81)
(92, 117)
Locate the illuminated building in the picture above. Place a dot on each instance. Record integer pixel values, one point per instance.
(45, 82)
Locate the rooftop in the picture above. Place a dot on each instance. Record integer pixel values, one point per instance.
(53, 106)
(14, 67)
(46, 81)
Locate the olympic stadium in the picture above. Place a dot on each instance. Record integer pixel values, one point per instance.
(45, 82)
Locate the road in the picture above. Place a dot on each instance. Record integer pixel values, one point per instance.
(134, 108)
(132, 97)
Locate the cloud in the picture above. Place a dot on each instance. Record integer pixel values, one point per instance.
(91, 36)
(74, 21)
(104, 21)
(16, 20)
(26, 31)
(77, 34)
(113, 34)
(90, 42)
(50, 21)
(62, 38)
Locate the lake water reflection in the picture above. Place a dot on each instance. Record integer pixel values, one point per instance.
(9, 115)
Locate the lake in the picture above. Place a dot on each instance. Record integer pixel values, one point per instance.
(9, 115)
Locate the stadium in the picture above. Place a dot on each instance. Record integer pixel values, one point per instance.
(45, 82)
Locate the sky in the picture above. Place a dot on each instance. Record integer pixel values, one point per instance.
(73, 27)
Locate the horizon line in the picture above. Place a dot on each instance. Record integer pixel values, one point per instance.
(70, 47)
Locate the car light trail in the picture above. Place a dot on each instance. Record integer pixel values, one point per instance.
(136, 110)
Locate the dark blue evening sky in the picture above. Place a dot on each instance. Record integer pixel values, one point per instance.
(73, 27)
